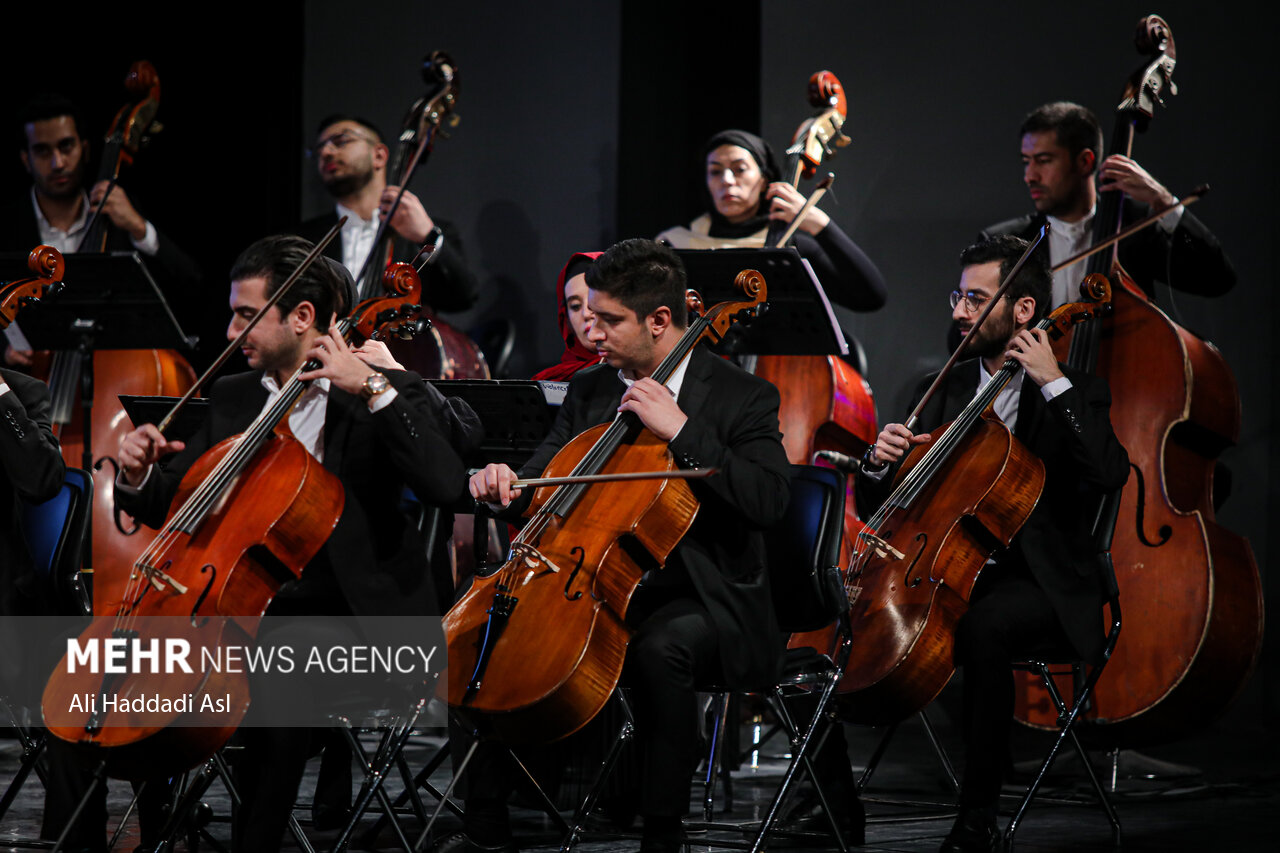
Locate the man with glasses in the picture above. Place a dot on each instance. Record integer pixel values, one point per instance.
(1041, 591)
(351, 159)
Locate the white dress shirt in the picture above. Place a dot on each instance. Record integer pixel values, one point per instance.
(1067, 239)
(357, 238)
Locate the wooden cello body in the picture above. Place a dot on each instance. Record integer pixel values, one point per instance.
(537, 647)
(1189, 587)
(249, 515)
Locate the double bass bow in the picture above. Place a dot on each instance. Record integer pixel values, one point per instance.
(249, 514)
(1191, 590)
(536, 648)
(114, 372)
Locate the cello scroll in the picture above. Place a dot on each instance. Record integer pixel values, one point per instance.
(48, 265)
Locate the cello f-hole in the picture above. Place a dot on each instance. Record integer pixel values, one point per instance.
(213, 575)
(910, 582)
(579, 552)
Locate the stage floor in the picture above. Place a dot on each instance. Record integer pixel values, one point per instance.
(1228, 803)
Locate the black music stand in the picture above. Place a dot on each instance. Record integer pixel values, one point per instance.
(110, 302)
(799, 319)
(515, 413)
(143, 409)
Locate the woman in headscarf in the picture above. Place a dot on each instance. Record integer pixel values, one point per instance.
(744, 193)
(575, 320)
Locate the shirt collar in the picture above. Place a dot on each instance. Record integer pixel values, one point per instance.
(674, 383)
(43, 223)
(354, 219)
(1072, 229)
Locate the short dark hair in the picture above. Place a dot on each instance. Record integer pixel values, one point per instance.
(643, 276)
(326, 284)
(1075, 127)
(333, 119)
(44, 106)
(1034, 279)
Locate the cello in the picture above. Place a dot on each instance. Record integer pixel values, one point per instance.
(438, 350)
(1191, 592)
(48, 266)
(114, 372)
(537, 647)
(954, 502)
(250, 513)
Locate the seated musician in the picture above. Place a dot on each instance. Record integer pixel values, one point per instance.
(57, 212)
(744, 194)
(707, 616)
(575, 320)
(1041, 592)
(352, 159)
(1061, 146)
(378, 430)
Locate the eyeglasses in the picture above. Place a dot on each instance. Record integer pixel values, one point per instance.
(973, 301)
(339, 140)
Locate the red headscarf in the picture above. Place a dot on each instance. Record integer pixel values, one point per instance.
(576, 356)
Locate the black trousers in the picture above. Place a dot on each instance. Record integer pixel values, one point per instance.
(675, 647)
(1009, 617)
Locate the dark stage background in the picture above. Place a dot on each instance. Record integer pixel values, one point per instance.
(581, 124)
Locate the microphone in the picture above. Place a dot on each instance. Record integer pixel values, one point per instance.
(843, 463)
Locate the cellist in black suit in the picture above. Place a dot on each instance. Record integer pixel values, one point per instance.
(708, 614)
(1043, 590)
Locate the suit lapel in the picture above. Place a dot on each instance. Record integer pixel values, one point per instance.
(338, 417)
(697, 382)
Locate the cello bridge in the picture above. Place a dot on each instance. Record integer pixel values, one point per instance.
(881, 548)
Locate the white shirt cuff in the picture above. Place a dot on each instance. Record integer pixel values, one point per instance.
(1170, 220)
(380, 402)
(1054, 388)
(149, 245)
(4, 388)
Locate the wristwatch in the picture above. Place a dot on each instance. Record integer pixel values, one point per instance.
(869, 464)
(374, 384)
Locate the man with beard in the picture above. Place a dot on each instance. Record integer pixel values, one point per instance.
(352, 161)
(1061, 147)
(1041, 591)
(57, 212)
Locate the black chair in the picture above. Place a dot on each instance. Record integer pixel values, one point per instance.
(55, 532)
(1084, 676)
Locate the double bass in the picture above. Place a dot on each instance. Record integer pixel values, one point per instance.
(250, 513)
(1192, 597)
(537, 647)
(438, 350)
(115, 372)
(826, 404)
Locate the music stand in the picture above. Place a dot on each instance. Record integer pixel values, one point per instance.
(143, 409)
(515, 414)
(110, 302)
(799, 319)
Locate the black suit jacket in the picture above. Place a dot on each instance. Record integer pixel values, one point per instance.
(375, 554)
(448, 283)
(733, 426)
(33, 471)
(1190, 259)
(1072, 435)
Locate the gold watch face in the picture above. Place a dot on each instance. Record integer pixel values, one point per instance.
(375, 384)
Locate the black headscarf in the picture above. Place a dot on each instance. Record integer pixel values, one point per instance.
(763, 155)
